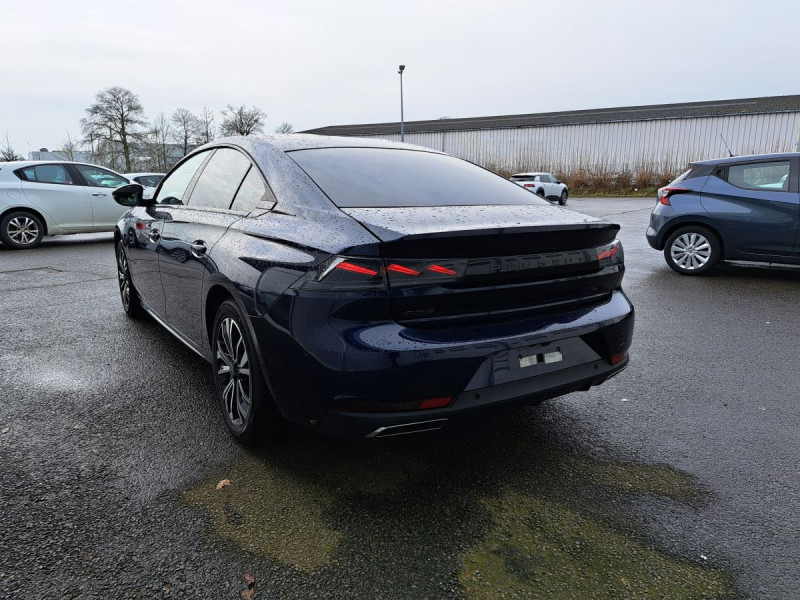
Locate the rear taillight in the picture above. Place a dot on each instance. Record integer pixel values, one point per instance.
(345, 273)
(357, 273)
(610, 254)
(665, 192)
(407, 273)
(528, 185)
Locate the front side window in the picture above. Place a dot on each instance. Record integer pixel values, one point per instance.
(767, 176)
(388, 177)
(174, 186)
(220, 179)
(97, 177)
(45, 174)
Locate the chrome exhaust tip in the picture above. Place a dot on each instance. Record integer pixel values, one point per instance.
(408, 428)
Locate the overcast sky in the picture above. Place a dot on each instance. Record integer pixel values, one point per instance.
(321, 62)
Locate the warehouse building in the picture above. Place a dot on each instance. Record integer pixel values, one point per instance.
(662, 137)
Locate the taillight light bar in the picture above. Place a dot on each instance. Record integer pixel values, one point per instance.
(357, 273)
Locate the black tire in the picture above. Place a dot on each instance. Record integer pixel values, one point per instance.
(692, 250)
(563, 199)
(127, 292)
(21, 229)
(541, 193)
(241, 389)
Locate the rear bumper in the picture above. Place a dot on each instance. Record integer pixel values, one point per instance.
(327, 366)
(653, 239)
(531, 390)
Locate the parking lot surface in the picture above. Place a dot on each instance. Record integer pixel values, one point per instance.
(676, 479)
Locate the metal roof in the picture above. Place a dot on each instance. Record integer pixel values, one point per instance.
(684, 110)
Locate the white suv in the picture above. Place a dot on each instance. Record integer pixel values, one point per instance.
(544, 184)
(39, 198)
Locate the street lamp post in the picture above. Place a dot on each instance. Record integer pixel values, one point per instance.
(402, 132)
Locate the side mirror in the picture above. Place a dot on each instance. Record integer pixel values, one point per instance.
(129, 195)
(558, 181)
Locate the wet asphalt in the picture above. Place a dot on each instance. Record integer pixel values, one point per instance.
(676, 479)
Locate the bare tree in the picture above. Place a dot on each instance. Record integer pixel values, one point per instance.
(187, 128)
(242, 120)
(115, 120)
(7, 153)
(285, 127)
(206, 127)
(157, 144)
(69, 146)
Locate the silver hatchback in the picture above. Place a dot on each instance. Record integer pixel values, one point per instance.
(39, 198)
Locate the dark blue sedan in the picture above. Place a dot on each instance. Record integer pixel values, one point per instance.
(740, 208)
(367, 288)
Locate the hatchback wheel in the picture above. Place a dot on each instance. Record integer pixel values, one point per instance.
(241, 390)
(563, 200)
(128, 294)
(692, 250)
(21, 229)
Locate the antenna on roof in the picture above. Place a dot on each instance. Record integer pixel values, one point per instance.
(726, 146)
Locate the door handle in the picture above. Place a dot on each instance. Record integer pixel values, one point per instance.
(99, 194)
(199, 248)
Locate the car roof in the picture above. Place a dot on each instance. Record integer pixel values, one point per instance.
(16, 164)
(531, 174)
(141, 174)
(746, 157)
(288, 142)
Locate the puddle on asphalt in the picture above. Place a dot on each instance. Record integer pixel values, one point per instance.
(473, 512)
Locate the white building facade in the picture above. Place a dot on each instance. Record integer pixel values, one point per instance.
(659, 137)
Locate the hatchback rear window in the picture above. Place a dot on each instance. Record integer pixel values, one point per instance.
(388, 177)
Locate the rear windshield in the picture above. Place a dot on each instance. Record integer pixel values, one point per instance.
(384, 177)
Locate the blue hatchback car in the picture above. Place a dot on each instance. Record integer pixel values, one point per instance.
(740, 208)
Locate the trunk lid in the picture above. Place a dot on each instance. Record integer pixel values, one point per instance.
(512, 261)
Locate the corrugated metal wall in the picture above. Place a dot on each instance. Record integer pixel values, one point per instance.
(667, 144)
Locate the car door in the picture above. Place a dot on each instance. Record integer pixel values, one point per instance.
(190, 233)
(146, 225)
(549, 185)
(98, 183)
(52, 189)
(756, 204)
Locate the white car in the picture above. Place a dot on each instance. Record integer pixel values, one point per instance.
(149, 181)
(39, 198)
(544, 184)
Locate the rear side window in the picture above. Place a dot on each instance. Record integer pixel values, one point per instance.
(148, 180)
(251, 192)
(220, 179)
(97, 177)
(765, 176)
(45, 174)
(381, 177)
(173, 188)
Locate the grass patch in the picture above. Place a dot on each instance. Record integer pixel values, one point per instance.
(540, 549)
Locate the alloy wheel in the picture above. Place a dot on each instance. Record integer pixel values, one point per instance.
(22, 230)
(233, 368)
(124, 277)
(690, 251)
